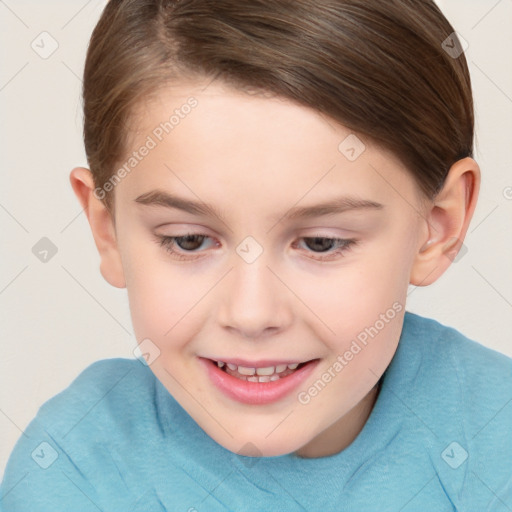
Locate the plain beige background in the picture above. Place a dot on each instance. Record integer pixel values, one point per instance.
(59, 316)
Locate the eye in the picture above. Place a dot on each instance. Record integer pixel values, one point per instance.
(325, 244)
(190, 243)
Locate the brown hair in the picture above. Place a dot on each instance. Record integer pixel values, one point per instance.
(377, 67)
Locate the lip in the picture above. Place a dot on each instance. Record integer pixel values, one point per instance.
(256, 393)
(264, 363)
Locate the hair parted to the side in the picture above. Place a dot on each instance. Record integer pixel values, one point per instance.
(377, 67)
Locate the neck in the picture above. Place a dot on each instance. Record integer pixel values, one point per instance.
(344, 431)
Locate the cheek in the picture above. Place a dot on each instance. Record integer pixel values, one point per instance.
(352, 296)
(161, 296)
(359, 307)
(374, 312)
(387, 265)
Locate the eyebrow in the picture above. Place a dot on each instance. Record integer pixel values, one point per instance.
(331, 207)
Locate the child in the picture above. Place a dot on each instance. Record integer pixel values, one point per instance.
(319, 153)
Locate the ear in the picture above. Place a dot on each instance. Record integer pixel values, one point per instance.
(448, 216)
(102, 226)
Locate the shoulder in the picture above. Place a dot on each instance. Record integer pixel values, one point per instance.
(106, 372)
(73, 446)
(452, 351)
(99, 386)
(458, 367)
(462, 390)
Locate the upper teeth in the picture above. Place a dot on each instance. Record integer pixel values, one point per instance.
(268, 370)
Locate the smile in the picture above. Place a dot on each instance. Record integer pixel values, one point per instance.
(260, 384)
(259, 374)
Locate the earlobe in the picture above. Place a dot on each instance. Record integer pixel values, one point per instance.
(102, 226)
(448, 220)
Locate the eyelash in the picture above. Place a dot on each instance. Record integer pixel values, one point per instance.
(168, 242)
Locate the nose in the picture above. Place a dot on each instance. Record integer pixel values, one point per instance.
(255, 303)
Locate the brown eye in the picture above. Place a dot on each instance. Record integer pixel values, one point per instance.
(182, 247)
(189, 242)
(319, 244)
(187, 247)
(324, 246)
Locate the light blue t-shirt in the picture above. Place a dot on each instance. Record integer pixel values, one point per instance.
(439, 439)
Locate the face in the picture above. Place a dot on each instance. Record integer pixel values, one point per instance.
(265, 276)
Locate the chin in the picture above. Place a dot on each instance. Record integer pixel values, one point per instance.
(259, 449)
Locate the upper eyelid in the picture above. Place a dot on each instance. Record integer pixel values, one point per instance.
(317, 232)
(204, 235)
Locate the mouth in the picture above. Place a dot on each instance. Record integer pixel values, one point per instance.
(261, 382)
(259, 372)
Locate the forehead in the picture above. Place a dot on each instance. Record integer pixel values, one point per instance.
(221, 109)
(221, 139)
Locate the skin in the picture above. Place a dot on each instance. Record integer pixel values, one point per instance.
(254, 158)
